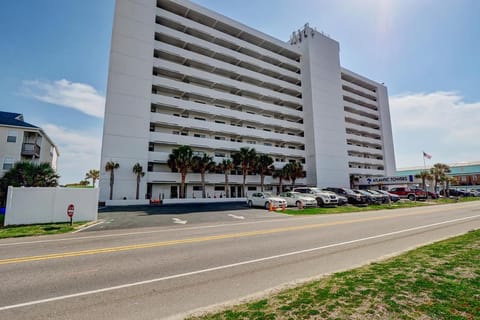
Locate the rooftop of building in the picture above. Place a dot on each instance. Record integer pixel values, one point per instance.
(464, 167)
(15, 120)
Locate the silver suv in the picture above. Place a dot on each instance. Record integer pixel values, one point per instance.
(324, 198)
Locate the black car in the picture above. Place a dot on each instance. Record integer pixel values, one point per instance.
(455, 193)
(385, 198)
(371, 198)
(393, 197)
(352, 197)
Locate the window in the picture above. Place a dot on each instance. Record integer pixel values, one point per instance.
(267, 144)
(219, 188)
(176, 132)
(197, 188)
(251, 142)
(197, 135)
(198, 118)
(218, 121)
(219, 138)
(252, 188)
(7, 163)
(12, 136)
(219, 154)
(250, 127)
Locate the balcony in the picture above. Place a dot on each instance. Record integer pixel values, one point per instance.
(31, 149)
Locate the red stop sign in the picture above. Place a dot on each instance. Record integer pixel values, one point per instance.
(70, 210)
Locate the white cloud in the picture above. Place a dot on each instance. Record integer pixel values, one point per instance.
(79, 96)
(79, 151)
(441, 123)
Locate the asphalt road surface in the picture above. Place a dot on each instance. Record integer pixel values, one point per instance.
(169, 271)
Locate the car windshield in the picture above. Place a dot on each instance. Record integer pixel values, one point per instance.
(316, 190)
(349, 191)
(268, 194)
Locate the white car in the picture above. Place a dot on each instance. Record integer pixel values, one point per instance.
(263, 199)
(324, 198)
(298, 199)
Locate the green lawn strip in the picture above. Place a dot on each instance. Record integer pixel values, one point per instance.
(38, 229)
(397, 205)
(345, 209)
(438, 281)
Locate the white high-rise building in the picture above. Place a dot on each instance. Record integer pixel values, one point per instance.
(181, 74)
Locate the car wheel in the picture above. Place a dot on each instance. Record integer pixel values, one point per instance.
(267, 205)
(298, 204)
(320, 202)
(411, 197)
(250, 204)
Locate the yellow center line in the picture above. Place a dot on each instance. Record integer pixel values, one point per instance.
(193, 240)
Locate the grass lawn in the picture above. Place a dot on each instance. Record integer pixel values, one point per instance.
(399, 204)
(37, 229)
(438, 281)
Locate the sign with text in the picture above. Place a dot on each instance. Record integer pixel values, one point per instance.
(387, 180)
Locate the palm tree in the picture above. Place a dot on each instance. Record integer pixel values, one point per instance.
(226, 166)
(245, 159)
(282, 175)
(438, 171)
(111, 166)
(294, 171)
(138, 170)
(424, 175)
(263, 167)
(28, 174)
(180, 160)
(203, 164)
(94, 175)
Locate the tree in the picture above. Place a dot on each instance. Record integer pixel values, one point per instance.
(245, 159)
(84, 183)
(424, 175)
(438, 171)
(226, 166)
(282, 175)
(180, 160)
(263, 167)
(94, 175)
(28, 174)
(203, 164)
(138, 171)
(111, 166)
(294, 171)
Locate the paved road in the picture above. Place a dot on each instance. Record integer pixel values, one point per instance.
(166, 272)
(168, 215)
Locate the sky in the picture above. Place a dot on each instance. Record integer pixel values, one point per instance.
(54, 67)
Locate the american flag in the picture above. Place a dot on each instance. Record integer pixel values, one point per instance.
(426, 155)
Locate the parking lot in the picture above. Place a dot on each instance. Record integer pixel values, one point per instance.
(178, 214)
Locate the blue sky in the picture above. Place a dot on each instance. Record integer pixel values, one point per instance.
(54, 63)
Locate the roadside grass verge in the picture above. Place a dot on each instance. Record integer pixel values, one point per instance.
(397, 205)
(438, 281)
(37, 229)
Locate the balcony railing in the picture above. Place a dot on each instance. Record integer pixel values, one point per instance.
(30, 149)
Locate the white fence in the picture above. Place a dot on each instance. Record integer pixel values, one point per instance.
(49, 205)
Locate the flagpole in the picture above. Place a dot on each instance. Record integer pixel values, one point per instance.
(425, 168)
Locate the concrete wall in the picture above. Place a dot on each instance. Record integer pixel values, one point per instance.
(48, 205)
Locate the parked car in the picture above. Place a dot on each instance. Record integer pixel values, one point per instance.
(410, 194)
(475, 193)
(456, 193)
(371, 198)
(393, 197)
(298, 199)
(352, 197)
(323, 198)
(431, 195)
(263, 199)
(385, 198)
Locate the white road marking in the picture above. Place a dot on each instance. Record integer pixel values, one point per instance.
(236, 217)
(179, 221)
(279, 218)
(186, 274)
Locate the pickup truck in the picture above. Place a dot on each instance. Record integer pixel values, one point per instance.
(410, 194)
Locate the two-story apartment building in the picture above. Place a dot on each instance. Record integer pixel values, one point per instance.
(22, 141)
(181, 74)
